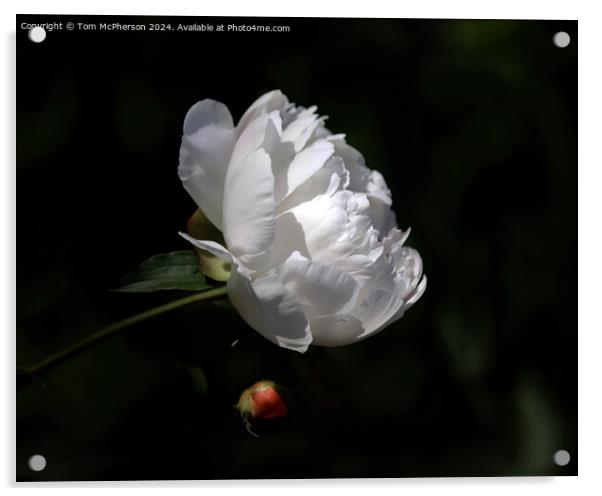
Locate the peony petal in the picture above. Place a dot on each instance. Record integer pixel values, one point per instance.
(210, 246)
(417, 293)
(354, 161)
(376, 186)
(272, 310)
(364, 180)
(415, 296)
(381, 213)
(321, 132)
(301, 129)
(272, 101)
(393, 242)
(281, 153)
(249, 204)
(321, 290)
(383, 298)
(249, 209)
(336, 227)
(376, 311)
(382, 216)
(289, 237)
(407, 264)
(205, 152)
(381, 308)
(336, 330)
(207, 112)
(253, 137)
(304, 165)
(332, 177)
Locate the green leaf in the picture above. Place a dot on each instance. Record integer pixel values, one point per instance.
(175, 270)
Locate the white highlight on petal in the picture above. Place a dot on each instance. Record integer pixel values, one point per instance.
(304, 165)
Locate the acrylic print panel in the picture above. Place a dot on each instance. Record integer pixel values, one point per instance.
(290, 330)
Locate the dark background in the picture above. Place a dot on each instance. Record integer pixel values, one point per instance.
(474, 126)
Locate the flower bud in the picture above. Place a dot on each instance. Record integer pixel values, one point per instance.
(262, 401)
(214, 267)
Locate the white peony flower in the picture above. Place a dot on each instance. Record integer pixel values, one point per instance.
(316, 255)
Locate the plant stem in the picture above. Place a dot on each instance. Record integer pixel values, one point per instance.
(113, 329)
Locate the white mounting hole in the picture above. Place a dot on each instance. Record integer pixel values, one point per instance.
(37, 463)
(561, 39)
(37, 34)
(562, 458)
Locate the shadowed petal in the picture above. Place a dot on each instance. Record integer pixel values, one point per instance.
(205, 152)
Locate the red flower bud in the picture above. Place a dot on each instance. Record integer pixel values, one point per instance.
(262, 402)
